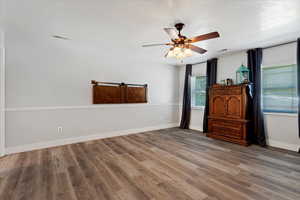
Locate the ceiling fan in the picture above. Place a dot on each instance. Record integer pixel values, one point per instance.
(181, 46)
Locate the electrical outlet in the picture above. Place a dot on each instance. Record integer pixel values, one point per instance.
(60, 129)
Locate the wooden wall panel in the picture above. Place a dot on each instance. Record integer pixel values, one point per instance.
(110, 93)
(136, 95)
(107, 94)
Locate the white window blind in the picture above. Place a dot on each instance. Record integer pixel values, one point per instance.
(279, 88)
(198, 87)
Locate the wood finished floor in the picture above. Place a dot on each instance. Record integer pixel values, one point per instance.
(160, 165)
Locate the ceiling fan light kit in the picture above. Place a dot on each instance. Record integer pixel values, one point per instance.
(179, 53)
(181, 46)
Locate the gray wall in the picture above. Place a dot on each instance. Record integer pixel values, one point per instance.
(48, 80)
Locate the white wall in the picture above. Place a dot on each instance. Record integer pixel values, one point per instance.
(229, 63)
(2, 93)
(282, 129)
(2, 81)
(48, 80)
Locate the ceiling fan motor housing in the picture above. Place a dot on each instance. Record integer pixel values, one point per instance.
(181, 39)
(179, 26)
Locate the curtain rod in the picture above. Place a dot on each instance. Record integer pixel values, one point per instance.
(199, 63)
(268, 47)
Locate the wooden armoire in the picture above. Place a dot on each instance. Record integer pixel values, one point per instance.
(228, 113)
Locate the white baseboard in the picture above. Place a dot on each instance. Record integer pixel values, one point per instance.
(65, 141)
(54, 143)
(282, 145)
(196, 128)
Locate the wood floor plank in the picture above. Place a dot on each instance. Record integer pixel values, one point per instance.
(29, 179)
(167, 164)
(78, 181)
(9, 192)
(128, 183)
(48, 183)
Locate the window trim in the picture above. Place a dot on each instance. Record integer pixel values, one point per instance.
(281, 114)
(194, 107)
(279, 111)
(198, 107)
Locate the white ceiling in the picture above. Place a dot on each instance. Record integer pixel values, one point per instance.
(120, 27)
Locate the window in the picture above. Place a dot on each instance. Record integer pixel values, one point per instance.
(279, 89)
(198, 86)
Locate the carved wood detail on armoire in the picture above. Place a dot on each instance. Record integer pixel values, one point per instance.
(229, 113)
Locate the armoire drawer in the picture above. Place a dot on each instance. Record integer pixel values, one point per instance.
(227, 123)
(227, 132)
(226, 129)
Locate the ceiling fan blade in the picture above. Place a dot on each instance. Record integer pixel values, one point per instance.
(153, 45)
(172, 33)
(196, 49)
(204, 37)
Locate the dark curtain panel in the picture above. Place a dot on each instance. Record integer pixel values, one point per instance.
(298, 73)
(254, 65)
(186, 105)
(211, 78)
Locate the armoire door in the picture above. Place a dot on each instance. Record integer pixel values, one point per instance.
(217, 106)
(234, 106)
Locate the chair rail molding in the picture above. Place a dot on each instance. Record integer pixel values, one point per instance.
(20, 109)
